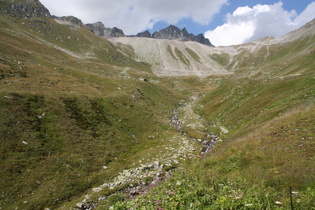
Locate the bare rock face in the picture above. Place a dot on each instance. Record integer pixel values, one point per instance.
(171, 32)
(69, 19)
(100, 30)
(174, 33)
(146, 34)
(23, 8)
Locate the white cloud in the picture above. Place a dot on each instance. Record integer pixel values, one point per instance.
(136, 15)
(247, 24)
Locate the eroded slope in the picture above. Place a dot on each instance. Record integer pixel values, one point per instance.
(174, 58)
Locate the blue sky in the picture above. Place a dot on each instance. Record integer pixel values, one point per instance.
(297, 5)
(224, 22)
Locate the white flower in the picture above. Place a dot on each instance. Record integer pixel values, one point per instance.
(178, 183)
(248, 204)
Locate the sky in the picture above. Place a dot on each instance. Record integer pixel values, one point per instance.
(224, 22)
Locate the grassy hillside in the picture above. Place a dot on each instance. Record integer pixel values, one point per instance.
(67, 111)
(269, 58)
(266, 123)
(254, 171)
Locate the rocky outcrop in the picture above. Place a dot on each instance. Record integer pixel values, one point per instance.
(174, 33)
(100, 30)
(68, 20)
(24, 8)
(146, 34)
(171, 32)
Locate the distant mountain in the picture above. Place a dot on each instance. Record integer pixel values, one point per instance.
(174, 33)
(171, 32)
(68, 20)
(100, 30)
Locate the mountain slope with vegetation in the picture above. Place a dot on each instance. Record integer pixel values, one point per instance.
(79, 111)
(71, 103)
(264, 115)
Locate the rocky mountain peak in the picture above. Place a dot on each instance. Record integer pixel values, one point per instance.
(23, 8)
(99, 29)
(185, 32)
(170, 32)
(174, 33)
(68, 20)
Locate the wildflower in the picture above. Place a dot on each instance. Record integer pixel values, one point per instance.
(158, 201)
(163, 189)
(248, 204)
(222, 199)
(278, 202)
(171, 193)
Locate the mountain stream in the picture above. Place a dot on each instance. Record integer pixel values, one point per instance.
(177, 149)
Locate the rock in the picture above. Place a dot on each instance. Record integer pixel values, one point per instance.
(127, 174)
(99, 29)
(224, 130)
(68, 20)
(96, 189)
(24, 142)
(80, 204)
(24, 9)
(121, 178)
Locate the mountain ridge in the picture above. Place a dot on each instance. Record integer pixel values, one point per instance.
(174, 33)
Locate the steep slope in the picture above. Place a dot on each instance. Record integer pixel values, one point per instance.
(271, 57)
(68, 110)
(172, 57)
